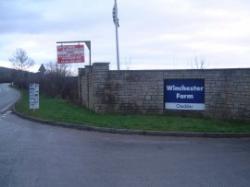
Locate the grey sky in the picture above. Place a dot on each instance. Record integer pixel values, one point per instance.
(153, 34)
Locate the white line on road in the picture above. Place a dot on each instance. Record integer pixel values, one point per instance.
(5, 114)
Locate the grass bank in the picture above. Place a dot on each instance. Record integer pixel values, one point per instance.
(59, 110)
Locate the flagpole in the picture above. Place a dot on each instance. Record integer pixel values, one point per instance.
(117, 37)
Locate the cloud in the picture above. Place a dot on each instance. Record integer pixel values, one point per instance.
(27, 16)
(166, 33)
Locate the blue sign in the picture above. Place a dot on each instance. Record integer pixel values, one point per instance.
(184, 94)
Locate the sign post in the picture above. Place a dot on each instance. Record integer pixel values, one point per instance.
(184, 94)
(34, 96)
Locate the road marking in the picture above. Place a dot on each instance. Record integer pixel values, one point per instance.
(5, 114)
(5, 109)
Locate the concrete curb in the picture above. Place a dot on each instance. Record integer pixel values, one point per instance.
(129, 131)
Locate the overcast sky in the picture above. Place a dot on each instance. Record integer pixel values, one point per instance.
(154, 34)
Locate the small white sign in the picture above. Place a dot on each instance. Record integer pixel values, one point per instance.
(184, 106)
(34, 96)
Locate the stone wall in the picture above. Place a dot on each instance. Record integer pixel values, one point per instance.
(227, 91)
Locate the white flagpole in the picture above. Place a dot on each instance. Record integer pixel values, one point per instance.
(116, 21)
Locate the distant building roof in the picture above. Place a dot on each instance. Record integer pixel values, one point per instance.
(42, 69)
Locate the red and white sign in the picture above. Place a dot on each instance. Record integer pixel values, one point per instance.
(70, 54)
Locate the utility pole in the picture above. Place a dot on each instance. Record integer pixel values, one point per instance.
(116, 22)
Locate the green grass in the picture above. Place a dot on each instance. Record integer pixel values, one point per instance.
(59, 110)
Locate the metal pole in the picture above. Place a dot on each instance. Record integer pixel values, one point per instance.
(117, 40)
(117, 49)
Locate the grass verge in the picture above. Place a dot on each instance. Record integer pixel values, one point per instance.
(61, 111)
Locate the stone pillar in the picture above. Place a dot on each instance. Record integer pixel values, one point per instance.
(99, 77)
(83, 85)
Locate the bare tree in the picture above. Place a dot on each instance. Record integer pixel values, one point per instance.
(127, 63)
(59, 69)
(20, 60)
(199, 63)
(57, 81)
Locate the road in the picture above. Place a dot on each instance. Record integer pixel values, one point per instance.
(8, 96)
(36, 155)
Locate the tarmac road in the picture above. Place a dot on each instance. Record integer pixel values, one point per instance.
(8, 96)
(36, 155)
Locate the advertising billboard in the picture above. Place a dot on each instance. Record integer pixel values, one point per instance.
(184, 94)
(70, 54)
